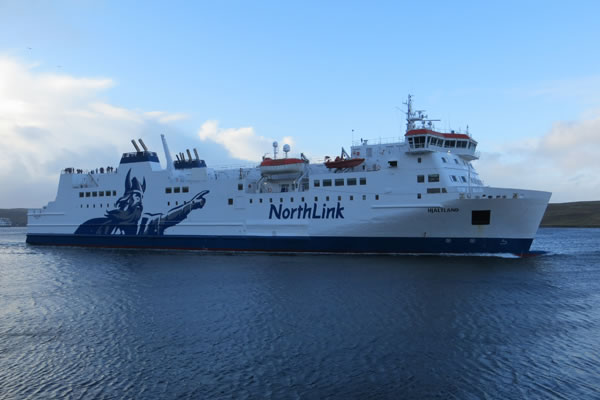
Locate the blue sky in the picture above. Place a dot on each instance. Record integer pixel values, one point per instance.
(522, 75)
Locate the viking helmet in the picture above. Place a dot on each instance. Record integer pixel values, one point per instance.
(133, 185)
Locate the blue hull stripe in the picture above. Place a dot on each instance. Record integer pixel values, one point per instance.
(294, 244)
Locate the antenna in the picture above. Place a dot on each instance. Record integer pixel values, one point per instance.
(275, 144)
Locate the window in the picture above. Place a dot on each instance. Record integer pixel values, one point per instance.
(87, 194)
(81, 194)
(339, 182)
(240, 186)
(326, 182)
(177, 189)
(230, 201)
(260, 200)
(456, 161)
(450, 143)
(101, 193)
(376, 197)
(351, 181)
(270, 199)
(351, 197)
(303, 199)
(364, 196)
(107, 193)
(363, 181)
(327, 198)
(420, 178)
(185, 189)
(291, 199)
(462, 178)
(418, 195)
(316, 183)
(418, 160)
(114, 192)
(339, 198)
(444, 190)
(168, 190)
(480, 217)
(433, 190)
(281, 199)
(433, 178)
(250, 201)
(94, 194)
(316, 198)
(453, 177)
(444, 159)
(394, 163)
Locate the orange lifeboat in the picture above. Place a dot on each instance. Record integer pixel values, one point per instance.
(340, 163)
(281, 166)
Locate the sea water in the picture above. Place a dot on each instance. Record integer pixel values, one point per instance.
(101, 323)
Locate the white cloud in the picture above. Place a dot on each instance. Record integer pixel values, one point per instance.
(52, 121)
(565, 161)
(241, 143)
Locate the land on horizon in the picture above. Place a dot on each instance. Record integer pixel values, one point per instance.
(583, 214)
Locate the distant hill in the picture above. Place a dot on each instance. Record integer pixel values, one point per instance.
(18, 216)
(577, 214)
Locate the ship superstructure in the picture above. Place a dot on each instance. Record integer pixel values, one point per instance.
(417, 195)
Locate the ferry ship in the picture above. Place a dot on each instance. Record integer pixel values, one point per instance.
(421, 194)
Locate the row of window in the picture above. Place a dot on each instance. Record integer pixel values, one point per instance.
(100, 193)
(339, 182)
(291, 199)
(94, 206)
(453, 178)
(183, 189)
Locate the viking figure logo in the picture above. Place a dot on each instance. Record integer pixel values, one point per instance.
(129, 219)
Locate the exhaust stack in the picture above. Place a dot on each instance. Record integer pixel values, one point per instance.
(196, 154)
(135, 145)
(167, 153)
(189, 154)
(143, 144)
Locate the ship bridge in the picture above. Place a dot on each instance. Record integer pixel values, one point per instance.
(427, 140)
(422, 137)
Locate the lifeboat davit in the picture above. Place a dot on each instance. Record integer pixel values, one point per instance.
(340, 163)
(270, 166)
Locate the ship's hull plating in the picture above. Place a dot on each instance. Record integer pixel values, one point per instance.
(293, 244)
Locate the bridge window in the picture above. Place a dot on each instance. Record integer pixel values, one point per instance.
(101, 193)
(177, 189)
(339, 182)
(326, 182)
(185, 189)
(351, 181)
(433, 177)
(450, 143)
(81, 194)
(462, 178)
(363, 181)
(453, 177)
(168, 190)
(316, 183)
(461, 144)
(94, 194)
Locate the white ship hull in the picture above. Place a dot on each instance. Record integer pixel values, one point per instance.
(417, 196)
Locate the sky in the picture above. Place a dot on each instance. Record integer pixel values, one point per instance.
(80, 79)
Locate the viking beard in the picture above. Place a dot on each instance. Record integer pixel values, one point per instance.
(130, 216)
